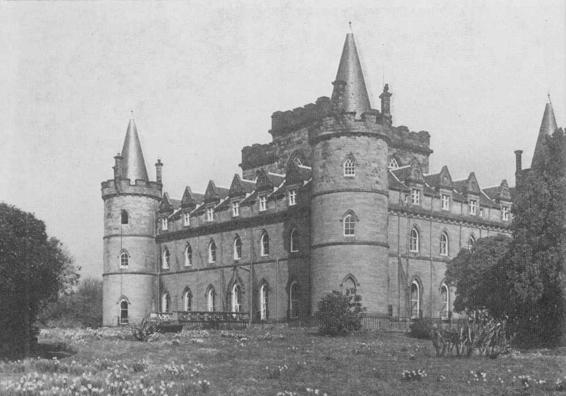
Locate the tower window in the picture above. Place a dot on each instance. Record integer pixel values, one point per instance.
(124, 216)
(124, 259)
(264, 244)
(165, 259)
(235, 209)
(237, 248)
(349, 225)
(444, 244)
(505, 213)
(123, 312)
(209, 214)
(414, 241)
(164, 224)
(416, 196)
(473, 206)
(186, 219)
(445, 202)
(212, 252)
(188, 255)
(262, 204)
(292, 197)
(349, 168)
(294, 240)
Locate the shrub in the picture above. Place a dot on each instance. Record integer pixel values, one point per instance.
(145, 330)
(339, 314)
(421, 328)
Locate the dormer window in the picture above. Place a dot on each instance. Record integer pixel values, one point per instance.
(445, 202)
(415, 196)
(262, 204)
(292, 197)
(235, 209)
(164, 224)
(505, 213)
(393, 164)
(473, 207)
(209, 214)
(349, 168)
(186, 219)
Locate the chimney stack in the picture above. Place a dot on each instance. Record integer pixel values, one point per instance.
(158, 173)
(518, 164)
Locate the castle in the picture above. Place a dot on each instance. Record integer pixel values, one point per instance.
(340, 199)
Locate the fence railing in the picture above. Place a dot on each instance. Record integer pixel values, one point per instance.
(209, 319)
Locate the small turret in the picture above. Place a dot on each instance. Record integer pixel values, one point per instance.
(158, 171)
(386, 105)
(547, 128)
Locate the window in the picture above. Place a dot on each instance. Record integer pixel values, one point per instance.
(471, 242)
(349, 225)
(292, 196)
(165, 302)
(237, 248)
(294, 240)
(187, 300)
(236, 297)
(212, 252)
(349, 286)
(445, 202)
(188, 255)
(124, 217)
(416, 196)
(264, 244)
(473, 206)
(294, 300)
(414, 241)
(393, 164)
(444, 244)
(235, 209)
(210, 299)
(123, 312)
(445, 301)
(186, 219)
(505, 213)
(481, 212)
(209, 214)
(262, 204)
(124, 259)
(263, 314)
(415, 303)
(165, 259)
(164, 224)
(349, 168)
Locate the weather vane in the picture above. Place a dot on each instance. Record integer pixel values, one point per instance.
(350, 24)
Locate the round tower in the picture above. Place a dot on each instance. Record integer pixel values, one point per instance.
(350, 193)
(129, 253)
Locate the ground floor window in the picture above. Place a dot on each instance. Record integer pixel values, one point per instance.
(165, 302)
(187, 300)
(415, 302)
(123, 312)
(294, 300)
(263, 315)
(210, 297)
(445, 301)
(236, 298)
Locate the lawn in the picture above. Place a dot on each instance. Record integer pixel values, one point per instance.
(274, 360)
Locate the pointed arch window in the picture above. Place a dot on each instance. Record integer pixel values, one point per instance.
(445, 301)
(393, 164)
(294, 241)
(165, 259)
(264, 244)
(294, 300)
(187, 300)
(444, 244)
(210, 299)
(414, 240)
(123, 311)
(188, 255)
(415, 303)
(236, 297)
(124, 217)
(211, 252)
(237, 248)
(263, 301)
(124, 259)
(349, 286)
(164, 224)
(349, 224)
(349, 167)
(165, 302)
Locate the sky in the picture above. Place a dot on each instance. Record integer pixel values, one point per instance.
(203, 79)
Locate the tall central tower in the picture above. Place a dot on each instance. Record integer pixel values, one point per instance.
(129, 256)
(350, 192)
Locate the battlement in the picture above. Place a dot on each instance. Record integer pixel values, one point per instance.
(284, 121)
(258, 155)
(348, 124)
(401, 137)
(114, 187)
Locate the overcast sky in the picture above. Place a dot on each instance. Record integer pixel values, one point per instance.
(203, 81)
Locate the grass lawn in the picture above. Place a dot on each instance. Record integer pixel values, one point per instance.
(271, 361)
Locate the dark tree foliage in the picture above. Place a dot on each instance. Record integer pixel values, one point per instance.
(339, 314)
(535, 266)
(33, 270)
(477, 276)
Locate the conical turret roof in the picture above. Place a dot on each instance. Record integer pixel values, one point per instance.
(133, 164)
(547, 128)
(355, 97)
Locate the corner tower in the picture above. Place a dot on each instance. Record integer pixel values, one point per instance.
(129, 254)
(350, 192)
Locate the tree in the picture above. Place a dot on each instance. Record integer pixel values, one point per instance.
(476, 273)
(33, 270)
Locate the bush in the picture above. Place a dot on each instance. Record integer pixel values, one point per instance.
(145, 330)
(421, 328)
(339, 314)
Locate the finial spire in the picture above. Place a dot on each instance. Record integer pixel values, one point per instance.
(350, 24)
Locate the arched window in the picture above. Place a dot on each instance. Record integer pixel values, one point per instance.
(349, 168)
(187, 300)
(393, 164)
(124, 216)
(349, 225)
(165, 302)
(294, 300)
(188, 255)
(349, 286)
(165, 259)
(445, 301)
(414, 241)
(210, 299)
(263, 295)
(415, 300)
(124, 259)
(471, 242)
(294, 240)
(264, 244)
(211, 251)
(444, 244)
(237, 248)
(236, 296)
(124, 312)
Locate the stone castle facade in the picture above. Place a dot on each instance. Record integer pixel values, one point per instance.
(340, 199)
